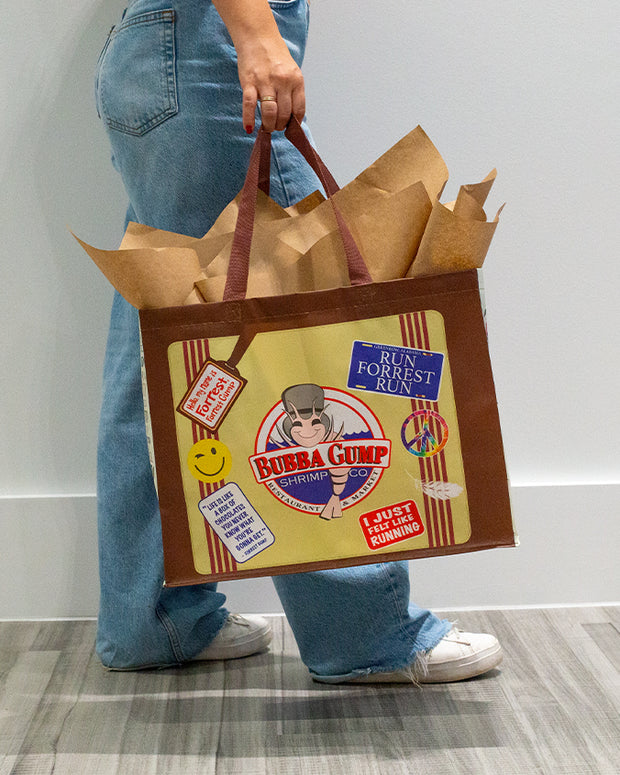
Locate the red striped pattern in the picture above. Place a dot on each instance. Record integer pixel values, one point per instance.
(439, 521)
(195, 354)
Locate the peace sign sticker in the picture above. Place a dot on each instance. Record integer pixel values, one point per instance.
(424, 433)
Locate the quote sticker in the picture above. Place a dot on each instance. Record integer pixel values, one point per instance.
(236, 522)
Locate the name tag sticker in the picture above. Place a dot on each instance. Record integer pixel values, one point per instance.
(212, 394)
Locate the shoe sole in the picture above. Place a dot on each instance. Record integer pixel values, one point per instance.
(257, 643)
(245, 649)
(449, 672)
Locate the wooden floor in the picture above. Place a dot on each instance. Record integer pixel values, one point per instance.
(553, 707)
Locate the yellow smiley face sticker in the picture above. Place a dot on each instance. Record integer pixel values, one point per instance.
(209, 460)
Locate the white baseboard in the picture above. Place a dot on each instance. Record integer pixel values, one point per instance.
(568, 555)
(49, 568)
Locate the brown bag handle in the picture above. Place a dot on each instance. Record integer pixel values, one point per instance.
(258, 177)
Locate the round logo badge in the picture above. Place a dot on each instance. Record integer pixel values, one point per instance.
(424, 433)
(320, 450)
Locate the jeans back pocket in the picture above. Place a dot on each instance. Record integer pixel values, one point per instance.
(136, 86)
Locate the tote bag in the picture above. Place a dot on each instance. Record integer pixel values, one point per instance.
(323, 429)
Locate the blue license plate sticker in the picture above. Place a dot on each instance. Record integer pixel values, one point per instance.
(395, 371)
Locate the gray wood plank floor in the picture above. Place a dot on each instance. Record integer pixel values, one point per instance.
(553, 707)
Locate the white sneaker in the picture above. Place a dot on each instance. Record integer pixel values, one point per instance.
(457, 656)
(240, 636)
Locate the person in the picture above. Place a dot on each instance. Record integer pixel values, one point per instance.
(171, 82)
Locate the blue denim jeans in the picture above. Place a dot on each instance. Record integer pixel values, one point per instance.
(168, 94)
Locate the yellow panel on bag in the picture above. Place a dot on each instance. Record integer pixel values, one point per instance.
(343, 443)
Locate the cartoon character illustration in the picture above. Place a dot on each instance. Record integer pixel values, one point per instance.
(307, 424)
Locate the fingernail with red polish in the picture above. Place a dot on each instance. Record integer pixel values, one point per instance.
(249, 129)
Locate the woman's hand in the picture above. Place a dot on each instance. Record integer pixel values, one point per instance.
(268, 74)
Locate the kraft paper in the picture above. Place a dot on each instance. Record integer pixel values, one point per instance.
(392, 208)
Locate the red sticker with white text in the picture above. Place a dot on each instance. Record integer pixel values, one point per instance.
(389, 525)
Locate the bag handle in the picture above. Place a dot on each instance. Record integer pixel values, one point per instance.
(258, 177)
(296, 135)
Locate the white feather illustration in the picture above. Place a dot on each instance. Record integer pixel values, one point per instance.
(441, 491)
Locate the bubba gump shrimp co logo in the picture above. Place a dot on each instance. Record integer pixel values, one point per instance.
(320, 450)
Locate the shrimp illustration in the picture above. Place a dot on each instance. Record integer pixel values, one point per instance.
(307, 423)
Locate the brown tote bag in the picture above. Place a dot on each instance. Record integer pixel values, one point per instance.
(323, 429)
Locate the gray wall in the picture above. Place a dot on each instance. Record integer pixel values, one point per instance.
(530, 88)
